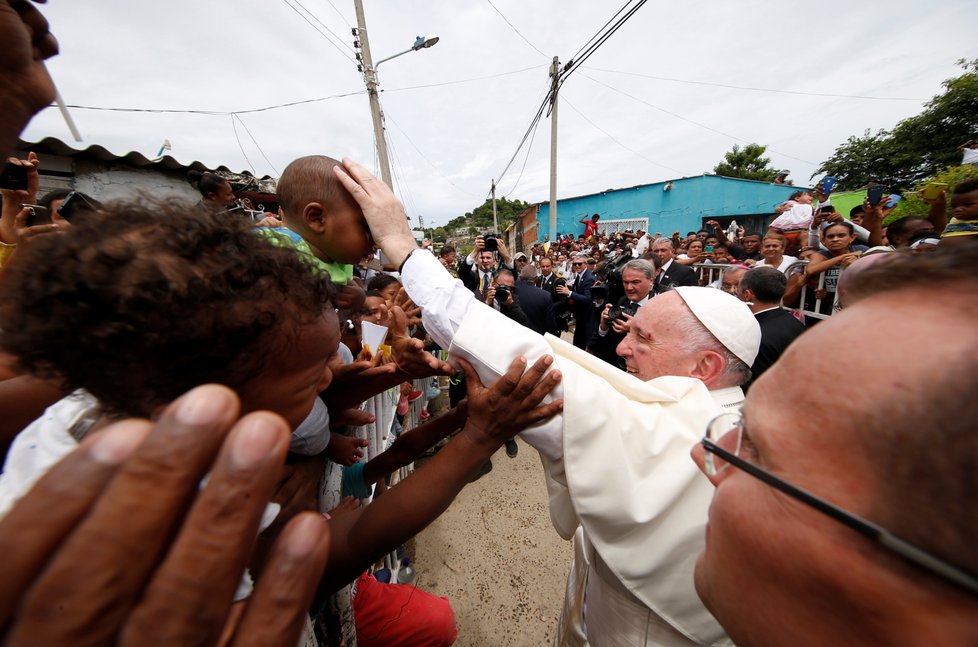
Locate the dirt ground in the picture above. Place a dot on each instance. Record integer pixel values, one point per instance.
(497, 558)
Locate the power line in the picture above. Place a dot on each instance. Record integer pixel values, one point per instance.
(342, 17)
(525, 39)
(238, 139)
(686, 119)
(599, 39)
(741, 87)
(530, 129)
(612, 138)
(525, 160)
(456, 82)
(255, 141)
(321, 32)
(425, 157)
(222, 113)
(324, 26)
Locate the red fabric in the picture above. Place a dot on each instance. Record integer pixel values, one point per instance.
(401, 615)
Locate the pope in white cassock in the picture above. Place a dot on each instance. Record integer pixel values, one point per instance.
(616, 462)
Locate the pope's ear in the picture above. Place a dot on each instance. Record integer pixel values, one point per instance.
(314, 217)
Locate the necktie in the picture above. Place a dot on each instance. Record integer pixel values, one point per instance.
(483, 286)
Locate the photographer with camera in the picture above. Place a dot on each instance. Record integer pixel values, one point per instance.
(549, 281)
(636, 278)
(476, 270)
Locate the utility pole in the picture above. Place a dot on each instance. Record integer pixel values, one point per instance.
(495, 222)
(370, 76)
(554, 69)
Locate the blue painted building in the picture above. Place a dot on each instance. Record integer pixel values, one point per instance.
(681, 205)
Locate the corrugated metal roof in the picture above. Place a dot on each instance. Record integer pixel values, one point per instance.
(54, 146)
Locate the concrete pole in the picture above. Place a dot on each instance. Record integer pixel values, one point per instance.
(554, 69)
(495, 221)
(370, 75)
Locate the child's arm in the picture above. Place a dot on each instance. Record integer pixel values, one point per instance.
(500, 411)
(412, 444)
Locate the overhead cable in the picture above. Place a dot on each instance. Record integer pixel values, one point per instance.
(687, 119)
(321, 33)
(614, 139)
(518, 33)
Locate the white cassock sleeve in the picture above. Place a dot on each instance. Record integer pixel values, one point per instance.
(453, 317)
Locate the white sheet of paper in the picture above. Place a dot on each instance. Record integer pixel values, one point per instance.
(373, 335)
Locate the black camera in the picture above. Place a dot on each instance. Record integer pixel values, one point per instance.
(492, 242)
(502, 293)
(599, 292)
(619, 312)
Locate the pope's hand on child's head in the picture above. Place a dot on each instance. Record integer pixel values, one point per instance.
(382, 210)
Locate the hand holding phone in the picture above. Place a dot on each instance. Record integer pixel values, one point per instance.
(874, 194)
(13, 177)
(933, 190)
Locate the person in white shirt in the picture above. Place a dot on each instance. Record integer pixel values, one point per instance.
(772, 253)
(616, 459)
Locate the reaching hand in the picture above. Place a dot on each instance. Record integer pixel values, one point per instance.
(349, 296)
(409, 354)
(509, 406)
(122, 541)
(350, 418)
(404, 302)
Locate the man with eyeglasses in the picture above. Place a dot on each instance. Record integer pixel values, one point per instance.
(855, 525)
(578, 296)
(616, 460)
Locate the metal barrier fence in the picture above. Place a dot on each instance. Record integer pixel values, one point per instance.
(710, 273)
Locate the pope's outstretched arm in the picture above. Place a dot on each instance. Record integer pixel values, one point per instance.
(451, 314)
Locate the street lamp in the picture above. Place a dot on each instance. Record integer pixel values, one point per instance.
(421, 42)
(370, 77)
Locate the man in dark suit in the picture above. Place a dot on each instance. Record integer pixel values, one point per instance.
(762, 289)
(548, 280)
(477, 269)
(636, 277)
(672, 274)
(537, 303)
(579, 298)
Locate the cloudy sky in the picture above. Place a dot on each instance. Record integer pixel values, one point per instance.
(655, 102)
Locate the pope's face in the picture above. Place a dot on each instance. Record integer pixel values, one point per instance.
(654, 345)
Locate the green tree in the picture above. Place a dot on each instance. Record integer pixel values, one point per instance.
(918, 147)
(747, 163)
(913, 205)
(480, 218)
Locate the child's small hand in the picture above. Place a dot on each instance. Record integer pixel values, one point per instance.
(344, 450)
(350, 297)
(409, 354)
(350, 418)
(346, 506)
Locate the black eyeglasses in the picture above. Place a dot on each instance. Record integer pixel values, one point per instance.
(731, 423)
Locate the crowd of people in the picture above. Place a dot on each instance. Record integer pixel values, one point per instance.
(206, 418)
